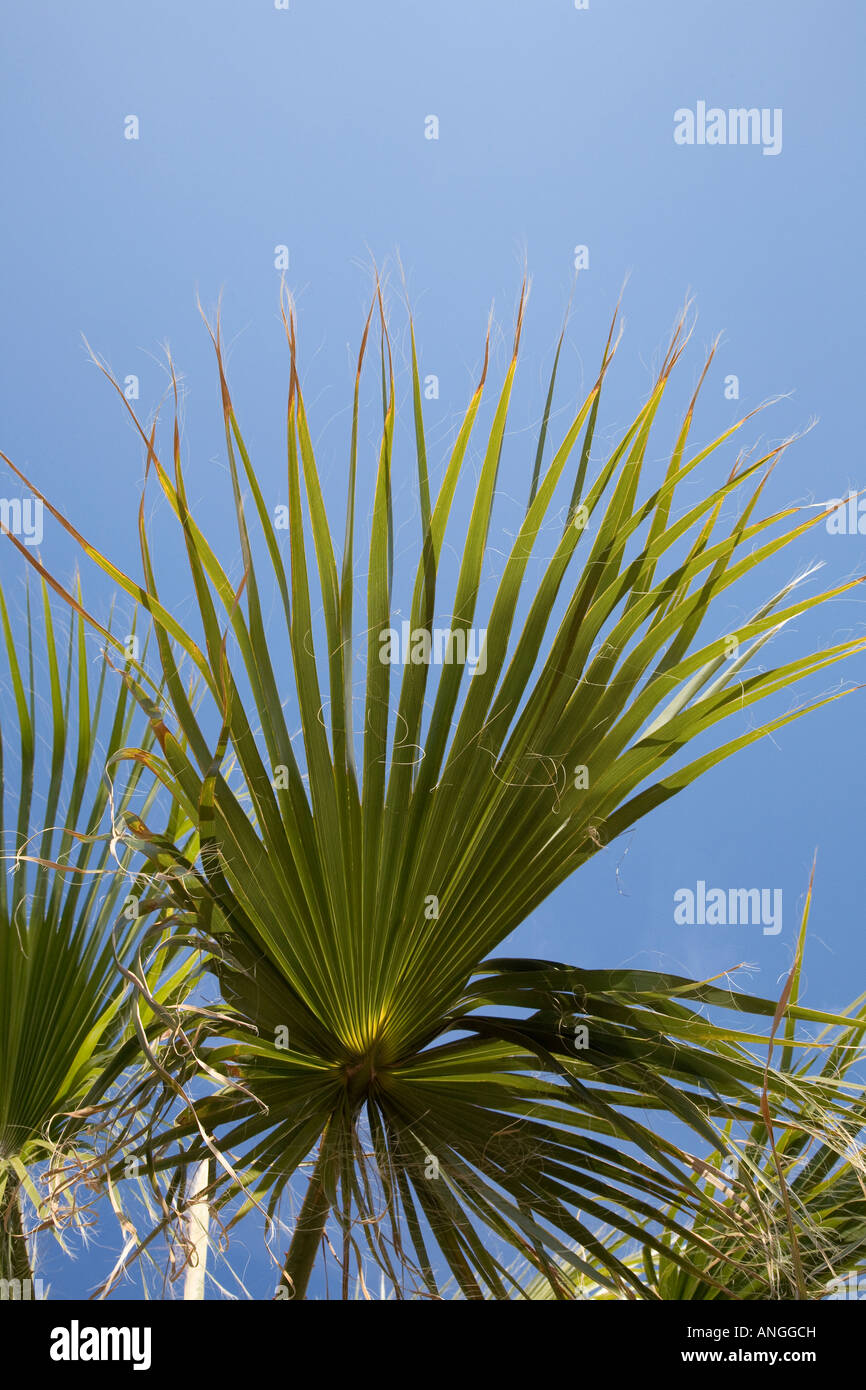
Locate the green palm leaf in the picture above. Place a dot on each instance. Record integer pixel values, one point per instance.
(65, 1033)
(449, 1112)
(803, 1201)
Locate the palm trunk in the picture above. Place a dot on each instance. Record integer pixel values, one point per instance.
(197, 1231)
(14, 1260)
(309, 1229)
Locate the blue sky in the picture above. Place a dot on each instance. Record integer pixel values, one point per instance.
(306, 128)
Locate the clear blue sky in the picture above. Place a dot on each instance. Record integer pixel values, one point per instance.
(261, 127)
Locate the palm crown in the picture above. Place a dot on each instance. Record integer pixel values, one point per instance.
(459, 1106)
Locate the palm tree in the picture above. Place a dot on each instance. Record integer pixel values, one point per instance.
(806, 1203)
(68, 911)
(456, 1106)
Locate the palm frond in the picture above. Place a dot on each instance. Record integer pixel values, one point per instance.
(68, 907)
(801, 1199)
(351, 897)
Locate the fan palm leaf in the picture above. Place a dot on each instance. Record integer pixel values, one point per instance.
(808, 1211)
(457, 1106)
(65, 1033)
